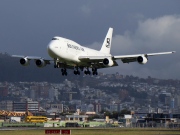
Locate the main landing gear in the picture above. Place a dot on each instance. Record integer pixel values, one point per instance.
(76, 71)
(64, 72)
(94, 70)
(87, 72)
(56, 66)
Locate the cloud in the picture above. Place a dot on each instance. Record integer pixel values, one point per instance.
(86, 10)
(152, 35)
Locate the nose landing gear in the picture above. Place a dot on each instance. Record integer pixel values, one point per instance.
(56, 63)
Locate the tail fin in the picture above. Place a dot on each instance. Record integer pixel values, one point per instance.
(106, 47)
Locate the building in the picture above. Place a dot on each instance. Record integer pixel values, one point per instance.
(32, 106)
(53, 94)
(55, 108)
(82, 107)
(90, 108)
(76, 117)
(6, 105)
(97, 107)
(33, 94)
(39, 91)
(3, 91)
(125, 121)
(114, 107)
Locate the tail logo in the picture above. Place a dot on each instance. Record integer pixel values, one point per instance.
(108, 42)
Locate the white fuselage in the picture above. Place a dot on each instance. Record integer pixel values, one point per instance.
(68, 51)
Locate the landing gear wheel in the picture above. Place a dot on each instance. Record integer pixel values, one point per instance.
(95, 73)
(75, 72)
(94, 70)
(89, 72)
(64, 72)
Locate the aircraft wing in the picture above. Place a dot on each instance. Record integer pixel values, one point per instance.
(133, 58)
(96, 61)
(32, 58)
(123, 58)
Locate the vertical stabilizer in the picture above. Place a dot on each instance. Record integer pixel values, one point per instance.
(106, 47)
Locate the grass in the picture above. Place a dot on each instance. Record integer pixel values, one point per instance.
(94, 131)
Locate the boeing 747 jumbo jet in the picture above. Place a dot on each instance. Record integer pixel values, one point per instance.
(67, 54)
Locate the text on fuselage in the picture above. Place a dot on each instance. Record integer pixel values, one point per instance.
(75, 47)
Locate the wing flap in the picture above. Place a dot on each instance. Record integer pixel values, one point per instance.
(89, 58)
(127, 56)
(101, 65)
(127, 60)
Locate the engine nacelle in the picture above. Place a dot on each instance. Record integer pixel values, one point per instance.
(40, 63)
(142, 60)
(108, 62)
(24, 61)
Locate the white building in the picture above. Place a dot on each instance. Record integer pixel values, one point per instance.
(55, 108)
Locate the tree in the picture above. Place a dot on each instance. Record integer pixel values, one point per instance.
(124, 111)
(93, 117)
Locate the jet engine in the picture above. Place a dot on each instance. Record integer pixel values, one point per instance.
(108, 62)
(142, 60)
(40, 63)
(24, 61)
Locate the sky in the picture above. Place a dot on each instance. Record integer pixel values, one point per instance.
(140, 26)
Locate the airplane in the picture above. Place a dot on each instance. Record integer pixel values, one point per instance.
(67, 54)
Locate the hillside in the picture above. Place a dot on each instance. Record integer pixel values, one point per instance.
(12, 71)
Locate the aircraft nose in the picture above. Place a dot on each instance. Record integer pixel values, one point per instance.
(50, 48)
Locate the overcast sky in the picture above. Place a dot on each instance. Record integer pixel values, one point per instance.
(140, 26)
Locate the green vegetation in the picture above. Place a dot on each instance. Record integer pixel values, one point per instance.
(21, 124)
(93, 131)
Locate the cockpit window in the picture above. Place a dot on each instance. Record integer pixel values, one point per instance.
(55, 39)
